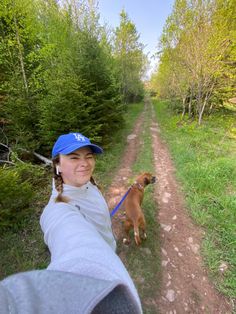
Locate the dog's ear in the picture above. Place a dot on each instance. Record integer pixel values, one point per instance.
(146, 181)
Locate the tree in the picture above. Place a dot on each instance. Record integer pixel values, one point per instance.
(128, 52)
(81, 82)
(59, 73)
(196, 45)
(18, 60)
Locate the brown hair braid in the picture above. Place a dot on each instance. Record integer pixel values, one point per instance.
(93, 181)
(58, 183)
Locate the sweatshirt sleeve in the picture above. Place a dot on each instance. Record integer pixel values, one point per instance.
(65, 228)
(76, 246)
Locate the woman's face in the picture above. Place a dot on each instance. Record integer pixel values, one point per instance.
(76, 168)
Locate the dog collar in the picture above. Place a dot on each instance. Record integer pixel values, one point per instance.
(139, 185)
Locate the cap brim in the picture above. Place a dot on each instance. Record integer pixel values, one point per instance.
(95, 148)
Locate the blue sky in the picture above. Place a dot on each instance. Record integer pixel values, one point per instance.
(149, 17)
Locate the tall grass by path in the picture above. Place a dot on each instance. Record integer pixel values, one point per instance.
(24, 249)
(143, 262)
(205, 160)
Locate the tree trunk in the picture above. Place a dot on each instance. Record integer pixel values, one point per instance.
(47, 161)
(199, 101)
(190, 114)
(7, 162)
(201, 113)
(21, 59)
(206, 98)
(184, 107)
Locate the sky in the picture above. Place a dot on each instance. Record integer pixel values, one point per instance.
(149, 17)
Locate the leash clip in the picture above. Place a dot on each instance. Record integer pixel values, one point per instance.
(112, 213)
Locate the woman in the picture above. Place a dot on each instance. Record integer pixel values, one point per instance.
(76, 222)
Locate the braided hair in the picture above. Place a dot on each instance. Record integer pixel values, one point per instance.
(58, 182)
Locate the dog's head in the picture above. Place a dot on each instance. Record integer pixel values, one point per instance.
(146, 178)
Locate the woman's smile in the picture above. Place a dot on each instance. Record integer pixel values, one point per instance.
(83, 172)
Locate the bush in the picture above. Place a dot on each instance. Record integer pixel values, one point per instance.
(33, 174)
(16, 193)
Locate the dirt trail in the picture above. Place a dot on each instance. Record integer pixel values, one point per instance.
(120, 181)
(185, 287)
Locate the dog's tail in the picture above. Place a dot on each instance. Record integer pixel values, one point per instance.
(136, 234)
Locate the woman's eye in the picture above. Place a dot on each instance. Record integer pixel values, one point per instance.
(78, 157)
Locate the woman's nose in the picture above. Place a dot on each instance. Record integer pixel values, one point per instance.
(84, 162)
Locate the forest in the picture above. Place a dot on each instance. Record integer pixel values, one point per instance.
(63, 71)
(197, 53)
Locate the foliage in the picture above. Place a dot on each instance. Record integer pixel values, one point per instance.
(22, 246)
(197, 58)
(130, 59)
(16, 194)
(59, 73)
(19, 37)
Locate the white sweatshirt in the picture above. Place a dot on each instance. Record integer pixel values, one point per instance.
(80, 239)
(90, 202)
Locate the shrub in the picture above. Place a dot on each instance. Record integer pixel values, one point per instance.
(16, 193)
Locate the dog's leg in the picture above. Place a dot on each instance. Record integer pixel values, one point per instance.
(128, 226)
(143, 229)
(136, 233)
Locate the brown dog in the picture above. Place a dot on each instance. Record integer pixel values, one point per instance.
(132, 205)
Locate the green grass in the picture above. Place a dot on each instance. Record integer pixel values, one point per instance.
(143, 263)
(205, 158)
(24, 249)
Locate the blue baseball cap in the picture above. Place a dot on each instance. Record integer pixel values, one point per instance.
(68, 143)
